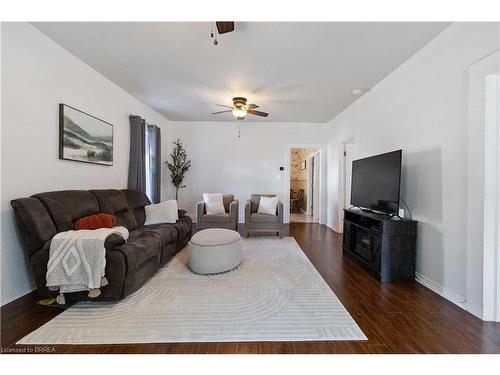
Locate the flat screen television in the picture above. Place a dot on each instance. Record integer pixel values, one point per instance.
(376, 182)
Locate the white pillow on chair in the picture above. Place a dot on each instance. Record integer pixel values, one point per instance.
(213, 204)
(268, 205)
(163, 212)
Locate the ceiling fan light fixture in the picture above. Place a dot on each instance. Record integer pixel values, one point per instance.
(239, 113)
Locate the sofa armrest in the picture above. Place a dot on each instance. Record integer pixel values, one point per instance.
(279, 210)
(181, 213)
(200, 210)
(248, 210)
(113, 241)
(233, 211)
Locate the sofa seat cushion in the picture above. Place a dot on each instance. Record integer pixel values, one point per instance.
(166, 232)
(183, 226)
(263, 218)
(216, 218)
(140, 247)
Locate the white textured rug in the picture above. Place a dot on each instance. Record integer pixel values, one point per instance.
(276, 294)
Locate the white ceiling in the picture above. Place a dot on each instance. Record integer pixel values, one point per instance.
(298, 72)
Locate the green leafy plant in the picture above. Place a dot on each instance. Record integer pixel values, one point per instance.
(178, 167)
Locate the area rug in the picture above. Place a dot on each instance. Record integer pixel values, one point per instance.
(276, 294)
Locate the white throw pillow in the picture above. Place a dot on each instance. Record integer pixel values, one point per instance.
(268, 205)
(213, 203)
(163, 212)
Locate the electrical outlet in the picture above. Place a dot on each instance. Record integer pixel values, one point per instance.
(401, 212)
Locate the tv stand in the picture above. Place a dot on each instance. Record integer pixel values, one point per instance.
(384, 245)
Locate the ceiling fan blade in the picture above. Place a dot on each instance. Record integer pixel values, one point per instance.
(258, 113)
(224, 27)
(252, 106)
(225, 106)
(216, 113)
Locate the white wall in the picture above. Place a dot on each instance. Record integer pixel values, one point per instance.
(37, 75)
(222, 162)
(422, 108)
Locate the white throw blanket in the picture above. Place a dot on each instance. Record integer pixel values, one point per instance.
(77, 260)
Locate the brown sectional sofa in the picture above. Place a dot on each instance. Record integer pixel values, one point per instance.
(129, 264)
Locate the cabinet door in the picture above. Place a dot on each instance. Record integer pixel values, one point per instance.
(375, 252)
(363, 244)
(347, 236)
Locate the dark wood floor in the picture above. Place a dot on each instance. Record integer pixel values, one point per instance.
(396, 318)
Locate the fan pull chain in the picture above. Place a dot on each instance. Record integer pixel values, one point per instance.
(211, 29)
(216, 41)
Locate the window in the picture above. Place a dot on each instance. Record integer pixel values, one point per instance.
(152, 159)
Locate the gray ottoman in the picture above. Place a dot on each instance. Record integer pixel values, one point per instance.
(214, 250)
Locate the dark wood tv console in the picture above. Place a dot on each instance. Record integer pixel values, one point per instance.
(384, 245)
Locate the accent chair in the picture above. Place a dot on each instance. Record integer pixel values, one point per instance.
(227, 220)
(255, 222)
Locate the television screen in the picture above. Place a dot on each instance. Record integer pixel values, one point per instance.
(375, 182)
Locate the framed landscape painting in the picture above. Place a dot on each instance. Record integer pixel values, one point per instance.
(83, 137)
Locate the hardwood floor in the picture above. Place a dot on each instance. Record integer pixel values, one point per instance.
(396, 318)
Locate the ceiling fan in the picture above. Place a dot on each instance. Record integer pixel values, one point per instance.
(240, 108)
(222, 28)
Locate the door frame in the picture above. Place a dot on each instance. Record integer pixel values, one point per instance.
(312, 187)
(483, 191)
(322, 210)
(317, 191)
(341, 182)
(491, 263)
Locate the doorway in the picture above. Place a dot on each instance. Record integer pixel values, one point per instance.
(304, 185)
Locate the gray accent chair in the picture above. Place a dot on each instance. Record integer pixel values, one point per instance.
(255, 222)
(227, 220)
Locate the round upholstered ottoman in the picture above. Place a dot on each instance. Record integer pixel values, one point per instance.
(214, 251)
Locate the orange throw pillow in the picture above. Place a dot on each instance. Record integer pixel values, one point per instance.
(96, 222)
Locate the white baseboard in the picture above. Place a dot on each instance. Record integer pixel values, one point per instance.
(333, 227)
(18, 293)
(441, 290)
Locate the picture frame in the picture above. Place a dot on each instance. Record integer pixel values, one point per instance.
(84, 138)
(303, 165)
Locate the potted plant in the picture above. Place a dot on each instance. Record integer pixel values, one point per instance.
(178, 167)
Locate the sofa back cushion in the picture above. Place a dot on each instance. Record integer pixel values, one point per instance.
(137, 200)
(34, 224)
(67, 206)
(114, 202)
(255, 199)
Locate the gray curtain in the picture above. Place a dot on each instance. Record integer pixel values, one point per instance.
(154, 155)
(137, 163)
